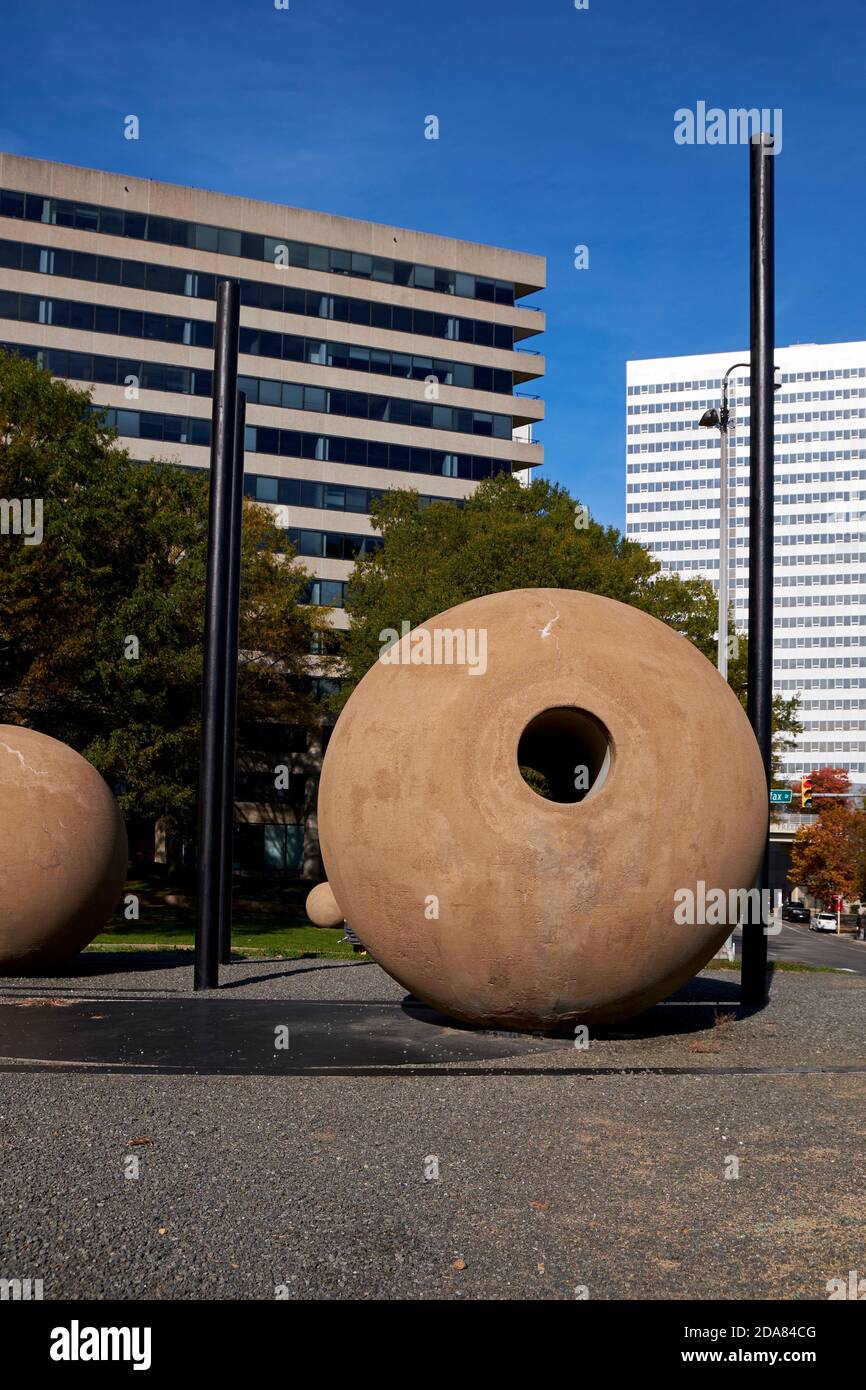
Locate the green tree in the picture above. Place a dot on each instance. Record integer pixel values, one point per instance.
(101, 624)
(511, 537)
(505, 536)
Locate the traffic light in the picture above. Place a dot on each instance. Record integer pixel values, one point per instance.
(806, 793)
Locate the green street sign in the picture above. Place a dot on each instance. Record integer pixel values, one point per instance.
(780, 795)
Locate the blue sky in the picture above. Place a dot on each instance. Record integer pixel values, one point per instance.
(556, 128)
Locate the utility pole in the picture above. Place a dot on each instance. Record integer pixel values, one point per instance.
(762, 330)
(219, 621)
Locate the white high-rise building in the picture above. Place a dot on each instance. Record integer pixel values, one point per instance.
(672, 508)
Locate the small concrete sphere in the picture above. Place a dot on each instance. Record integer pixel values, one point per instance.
(323, 909)
(63, 851)
(543, 898)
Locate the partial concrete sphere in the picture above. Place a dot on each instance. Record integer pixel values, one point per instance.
(492, 902)
(63, 851)
(323, 909)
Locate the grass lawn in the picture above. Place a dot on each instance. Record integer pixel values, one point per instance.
(284, 933)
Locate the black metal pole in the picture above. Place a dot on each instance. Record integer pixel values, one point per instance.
(760, 687)
(222, 451)
(231, 684)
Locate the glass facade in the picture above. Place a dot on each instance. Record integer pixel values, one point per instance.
(228, 241)
(672, 504)
(257, 342)
(298, 492)
(365, 453)
(286, 395)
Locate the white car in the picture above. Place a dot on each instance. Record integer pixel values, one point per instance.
(823, 921)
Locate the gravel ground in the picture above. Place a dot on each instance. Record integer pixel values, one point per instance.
(546, 1184)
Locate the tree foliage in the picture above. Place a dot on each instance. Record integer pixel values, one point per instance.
(506, 536)
(827, 781)
(829, 857)
(101, 624)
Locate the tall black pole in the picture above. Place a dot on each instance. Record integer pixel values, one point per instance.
(216, 625)
(231, 682)
(760, 688)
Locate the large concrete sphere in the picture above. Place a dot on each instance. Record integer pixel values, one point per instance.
(502, 907)
(63, 851)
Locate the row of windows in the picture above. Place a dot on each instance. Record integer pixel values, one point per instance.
(226, 241)
(833, 704)
(823, 683)
(364, 453)
(675, 485)
(287, 347)
(741, 522)
(676, 446)
(817, 663)
(195, 381)
(835, 621)
(708, 523)
(844, 747)
(327, 593)
(299, 492)
(841, 538)
(712, 484)
(793, 417)
(741, 505)
(331, 545)
(818, 600)
(105, 318)
(654, 387)
(801, 436)
(825, 641)
(849, 557)
(673, 465)
(830, 726)
(799, 580)
(805, 767)
(741, 410)
(255, 294)
(741, 562)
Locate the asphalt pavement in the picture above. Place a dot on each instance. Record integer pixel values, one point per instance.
(697, 1152)
(798, 943)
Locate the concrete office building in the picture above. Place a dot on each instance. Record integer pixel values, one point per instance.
(372, 357)
(672, 508)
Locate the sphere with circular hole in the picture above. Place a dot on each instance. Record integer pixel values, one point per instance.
(63, 851)
(526, 803)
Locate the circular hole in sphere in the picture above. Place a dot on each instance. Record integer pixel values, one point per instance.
(564, 754)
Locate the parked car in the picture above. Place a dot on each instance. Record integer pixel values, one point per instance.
(824, 921)
(795, 912)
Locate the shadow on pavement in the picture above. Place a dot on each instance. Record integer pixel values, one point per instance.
(693, 1009)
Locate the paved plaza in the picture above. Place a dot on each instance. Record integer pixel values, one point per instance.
(489, 1166)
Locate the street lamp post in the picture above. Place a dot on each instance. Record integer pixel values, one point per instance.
(721, 420)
